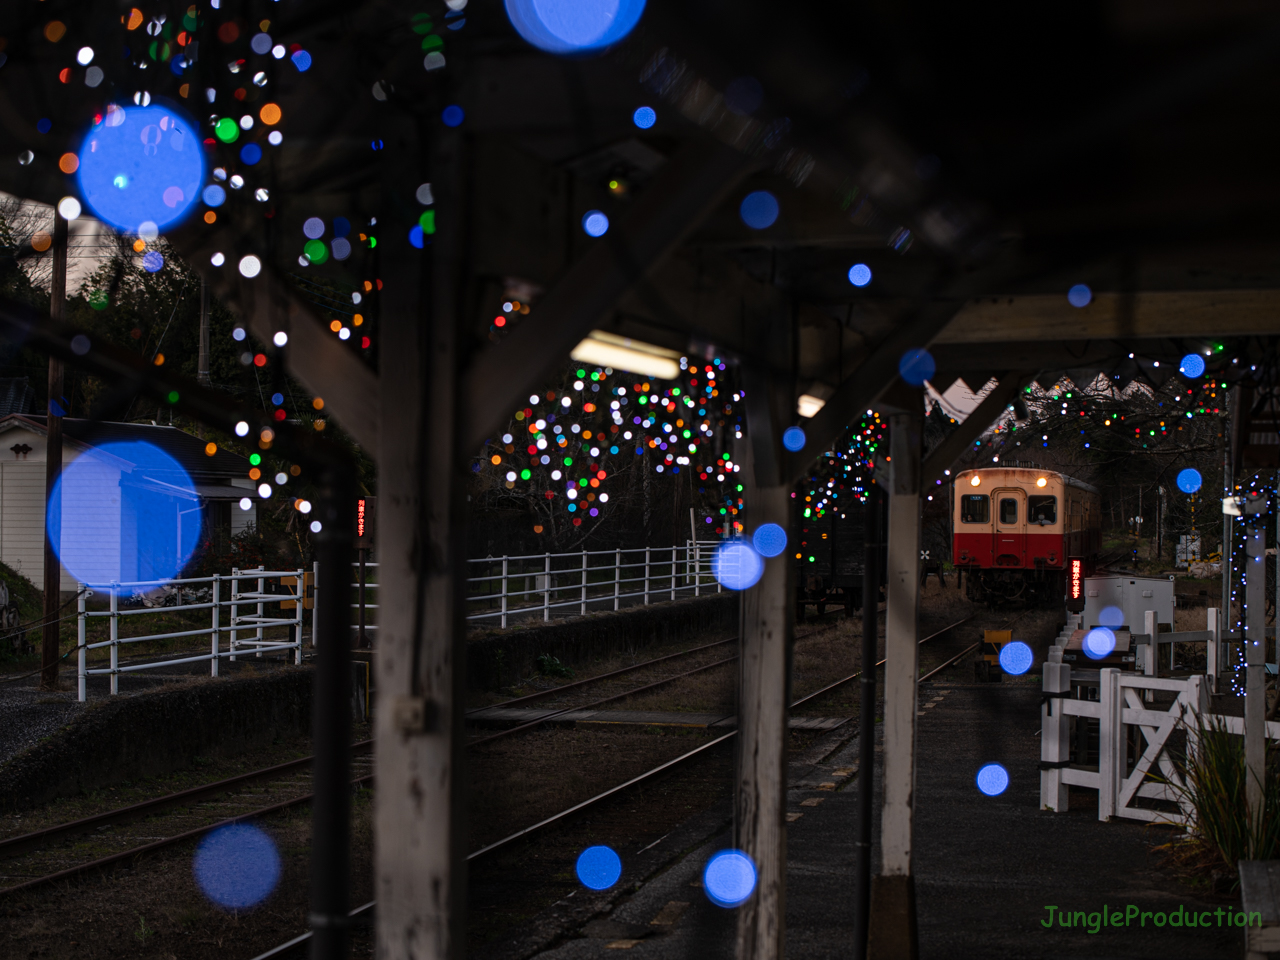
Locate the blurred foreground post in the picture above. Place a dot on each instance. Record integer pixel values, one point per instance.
(866, 719)
(53, 467)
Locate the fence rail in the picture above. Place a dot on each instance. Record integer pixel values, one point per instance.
(245, 631)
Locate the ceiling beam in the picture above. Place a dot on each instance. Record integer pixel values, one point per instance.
(688, 188)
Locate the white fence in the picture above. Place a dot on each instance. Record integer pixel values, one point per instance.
(246, 619)
(536, 584)
(1127, 716)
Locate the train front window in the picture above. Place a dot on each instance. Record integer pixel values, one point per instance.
(1042, 510)
(1008, 510)
(975, 508)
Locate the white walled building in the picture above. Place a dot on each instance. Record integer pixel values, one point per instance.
(220, 482)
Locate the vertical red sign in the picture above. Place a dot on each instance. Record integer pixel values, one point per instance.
(1077, 578)
(366, 508)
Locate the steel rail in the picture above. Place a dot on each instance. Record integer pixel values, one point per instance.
(27, 841)
(589, 706)
(949, 662)
(167, 841)
(604, 676)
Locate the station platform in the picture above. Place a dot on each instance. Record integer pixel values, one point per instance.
(986, 867)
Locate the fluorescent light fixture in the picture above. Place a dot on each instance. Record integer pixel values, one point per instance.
(623, 353)
(808, 405)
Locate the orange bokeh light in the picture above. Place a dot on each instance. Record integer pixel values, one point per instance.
(270, 114)
(68, 163)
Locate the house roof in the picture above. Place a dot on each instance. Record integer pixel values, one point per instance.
(184, 447)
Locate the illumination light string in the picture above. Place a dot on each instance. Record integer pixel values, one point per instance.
(569, 439)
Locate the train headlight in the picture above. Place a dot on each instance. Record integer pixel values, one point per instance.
(975, 481)
(1041, 482)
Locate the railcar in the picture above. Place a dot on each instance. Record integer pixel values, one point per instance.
(1016, 530)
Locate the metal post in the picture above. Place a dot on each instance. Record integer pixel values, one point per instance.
(115, 637)
(1213, 658)
(202, 358)
(53, 470)
(584, 583)
(546, 587)
(697, 570)
(1255, 695)
(364, 640)
(215, 628)
(259, 635)
(893, 915)
(235, 613)
(673, 570)
(331, 722)
(302, 592)
(1224, 614)
(81, 622)
(315, 597)
(504, 592)
(866, 720)
(646, 576)
(617, 577)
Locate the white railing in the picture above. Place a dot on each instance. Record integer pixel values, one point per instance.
(1126, 714)
(245, 629)
(536, 584)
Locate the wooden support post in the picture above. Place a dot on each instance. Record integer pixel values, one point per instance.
(420, 831)
(893, 913)
(53, 469)
(1255, 647)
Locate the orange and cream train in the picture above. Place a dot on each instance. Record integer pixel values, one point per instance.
(1016, 530)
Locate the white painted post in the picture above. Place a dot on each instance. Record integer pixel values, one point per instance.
(697, 570)
(1213, 653)
(302, 592)
(214, 624)
(646, 576)
(1055, 737)
(81, 622)
(504, 592)
(1109, 739)
(235, 614)
(1150, 659)
(617, 577)
(546, 588)
(892, 930)
(262, 610)
(115, 637)
(674, 548)
(1255, 693)
(584, 583)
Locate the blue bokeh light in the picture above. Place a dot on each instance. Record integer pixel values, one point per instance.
(1192, 365)
(214, 195)
(152, 261)
(341, 226)
(141, 165)
(251, 153)
(599, 868)
(993, 779)
(916, 366)
(1111, 616)
(124, 511)
(1016, 658)
(1099, 642)
(644, 117)
(595, 223)
(1080, 295)
(237, 866)
(573, 26)
(1189, 480)
(417, 237)
(859, 274)
(737, 566)
(302, 60)
(452, 115)
(769, 539)
(729, 878)
(759, 209)
(793, 438)
(342, 248)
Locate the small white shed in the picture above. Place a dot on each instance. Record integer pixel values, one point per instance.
(221, 481)
(1133, 596)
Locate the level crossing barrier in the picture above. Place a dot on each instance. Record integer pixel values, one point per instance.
(243, 596)
(1134, 761)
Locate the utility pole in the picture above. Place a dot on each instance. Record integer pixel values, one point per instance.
(866, 720)
(53, 467)
(202, 363)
